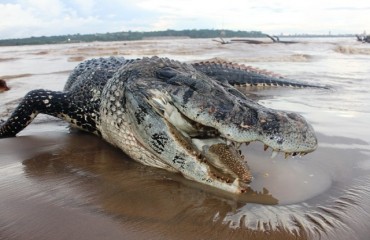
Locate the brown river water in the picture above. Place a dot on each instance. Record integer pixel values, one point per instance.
(62, 184)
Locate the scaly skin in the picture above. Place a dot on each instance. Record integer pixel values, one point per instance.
(181, 117)
(246, 76)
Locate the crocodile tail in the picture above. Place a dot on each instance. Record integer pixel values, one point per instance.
(246, 76)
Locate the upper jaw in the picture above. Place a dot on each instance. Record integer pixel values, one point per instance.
(292, 134)
(282, 131)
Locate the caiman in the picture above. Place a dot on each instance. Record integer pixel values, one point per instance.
(182, 117)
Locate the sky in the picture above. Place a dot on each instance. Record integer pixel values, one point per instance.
(26, 18)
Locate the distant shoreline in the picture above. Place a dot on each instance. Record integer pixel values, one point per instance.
(131, 36)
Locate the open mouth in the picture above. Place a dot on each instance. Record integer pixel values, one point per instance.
(223, 158)
(222, 155)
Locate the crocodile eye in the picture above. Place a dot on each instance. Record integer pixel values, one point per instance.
(166, 73)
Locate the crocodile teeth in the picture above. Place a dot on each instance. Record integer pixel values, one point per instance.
(237, 145)
(287, 155)
(236, 182)
(274, 154)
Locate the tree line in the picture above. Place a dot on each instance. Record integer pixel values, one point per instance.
(129, 36)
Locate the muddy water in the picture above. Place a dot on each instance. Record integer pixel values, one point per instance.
(57, 184)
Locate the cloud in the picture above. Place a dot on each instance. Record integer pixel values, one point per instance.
(85, 7)
(48, 17)
(25, 18)
(53, 15)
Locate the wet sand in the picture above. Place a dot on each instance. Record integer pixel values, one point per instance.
(57, 184)
(60, 185)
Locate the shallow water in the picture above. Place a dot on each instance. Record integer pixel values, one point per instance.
(56, 185)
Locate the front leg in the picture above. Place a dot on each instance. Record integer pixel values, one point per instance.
(35, 102)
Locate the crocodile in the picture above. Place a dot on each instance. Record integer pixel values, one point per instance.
(182, 117)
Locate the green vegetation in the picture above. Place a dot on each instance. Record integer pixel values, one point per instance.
(128, 36)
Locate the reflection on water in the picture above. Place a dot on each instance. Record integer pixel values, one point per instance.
(290, 181)
(57, 185)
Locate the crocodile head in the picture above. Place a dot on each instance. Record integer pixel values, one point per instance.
(195, 124)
